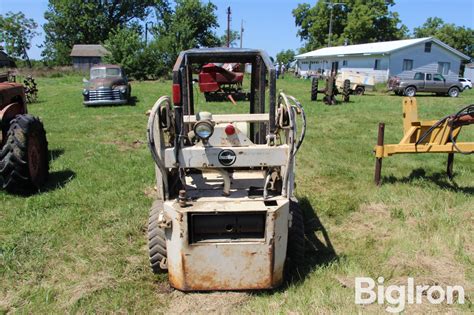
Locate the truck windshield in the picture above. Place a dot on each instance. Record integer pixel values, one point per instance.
(104, 73)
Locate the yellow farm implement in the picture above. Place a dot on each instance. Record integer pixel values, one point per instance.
(426, 136)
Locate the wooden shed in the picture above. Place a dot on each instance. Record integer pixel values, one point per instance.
(85, 56)
(5, 60)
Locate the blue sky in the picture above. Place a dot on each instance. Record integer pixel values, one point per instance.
(269, 24)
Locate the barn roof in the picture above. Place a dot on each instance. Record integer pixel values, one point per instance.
(375, 48)
(4, 56)
(88, 51)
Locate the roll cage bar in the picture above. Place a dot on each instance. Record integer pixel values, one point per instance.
(261, 67)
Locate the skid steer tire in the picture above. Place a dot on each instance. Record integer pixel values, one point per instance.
(314, 89)
(156, 240)
(296, 240)
(24, 164)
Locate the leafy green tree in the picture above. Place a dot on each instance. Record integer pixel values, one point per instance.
(234, 38)
(285, 57)
(357, 21)
(458, 37)
(190, 24)
(18, 31)
(126, 49)
(72, 22)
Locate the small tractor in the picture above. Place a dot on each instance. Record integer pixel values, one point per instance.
(331, 90)
(218, 84)
(24, 149)
(226, 217)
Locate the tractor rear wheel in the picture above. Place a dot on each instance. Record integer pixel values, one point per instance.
(346, 90)
(295, 248)
(24, 164)
(156, 239)
(314, 89)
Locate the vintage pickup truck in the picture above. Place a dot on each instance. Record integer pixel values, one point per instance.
(108, 85)
(425, 82)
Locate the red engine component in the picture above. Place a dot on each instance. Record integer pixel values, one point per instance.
(212, 77)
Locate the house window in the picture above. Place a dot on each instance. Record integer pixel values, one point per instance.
(344, 63)
(428, 47)
(407, 64)
(443, 67)
(377, 65)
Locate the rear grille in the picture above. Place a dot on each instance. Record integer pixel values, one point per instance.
(105, 95)
(224, 227)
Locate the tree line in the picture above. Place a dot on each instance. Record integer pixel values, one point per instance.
(183, 24)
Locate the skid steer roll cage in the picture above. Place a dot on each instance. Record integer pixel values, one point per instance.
(174, 158)
(183, 99)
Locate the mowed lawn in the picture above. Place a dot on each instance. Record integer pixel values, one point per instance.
(80, 245)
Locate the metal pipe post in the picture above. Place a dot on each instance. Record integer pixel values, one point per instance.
(378, 160)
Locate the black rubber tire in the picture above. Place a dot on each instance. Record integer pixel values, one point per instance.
(410, 91)
(296, 240)
(156, 239)
(314, 88)
(24, 164)
(346, 90)
(360, 90)
(453, 92)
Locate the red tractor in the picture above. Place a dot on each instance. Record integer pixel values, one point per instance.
(219, 84)
(23, 146)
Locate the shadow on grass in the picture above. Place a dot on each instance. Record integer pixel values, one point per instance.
(439, 178)
(58, 179)
(54, 154)
(319, 251)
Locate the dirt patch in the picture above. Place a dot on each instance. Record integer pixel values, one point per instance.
(87, 287)
(205, 303)
(441, 270)
(127, 146)
(150, 192)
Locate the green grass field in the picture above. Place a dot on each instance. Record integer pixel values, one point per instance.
(80, 245)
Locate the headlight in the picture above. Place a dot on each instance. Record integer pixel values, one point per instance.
(204, 129)
(85, 92)
(123, 90)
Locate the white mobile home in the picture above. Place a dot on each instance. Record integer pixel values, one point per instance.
(401, 58)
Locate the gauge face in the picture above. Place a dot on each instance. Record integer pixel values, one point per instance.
(227, 157)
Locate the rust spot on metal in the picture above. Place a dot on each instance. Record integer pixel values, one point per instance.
(271, 253)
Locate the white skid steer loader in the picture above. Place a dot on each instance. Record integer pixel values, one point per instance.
(225, 217)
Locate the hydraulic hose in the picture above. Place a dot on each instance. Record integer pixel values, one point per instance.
(151, 138)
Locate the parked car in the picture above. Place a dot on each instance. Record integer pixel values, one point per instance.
(425, 82)
(466, 83)
(108, 85)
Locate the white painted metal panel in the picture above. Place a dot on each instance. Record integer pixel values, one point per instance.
(227, 265)
(251, 156)
(231, 118)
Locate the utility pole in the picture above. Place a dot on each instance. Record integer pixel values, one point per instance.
(331, 7)
(241, 32)
(228, 26)
(146, 31)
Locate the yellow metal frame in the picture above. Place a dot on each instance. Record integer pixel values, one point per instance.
(438, 141)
